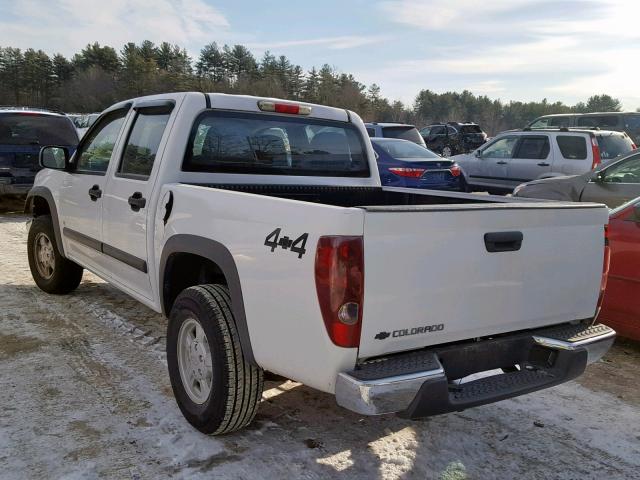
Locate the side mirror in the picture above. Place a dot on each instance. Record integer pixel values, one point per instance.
(477, 153)
(56, 158)
(598, 177)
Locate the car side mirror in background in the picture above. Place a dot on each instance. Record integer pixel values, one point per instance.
(56, 158)
(477, 153)
(598, 177)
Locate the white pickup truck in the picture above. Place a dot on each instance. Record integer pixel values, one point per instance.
(260, 228)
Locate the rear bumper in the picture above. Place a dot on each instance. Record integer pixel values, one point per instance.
(423, 383)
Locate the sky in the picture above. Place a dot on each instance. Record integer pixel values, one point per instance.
(508, 49)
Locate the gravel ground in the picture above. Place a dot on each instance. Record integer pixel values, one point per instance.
(85, 394)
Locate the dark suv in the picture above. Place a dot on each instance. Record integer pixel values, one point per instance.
(23, 131)
(453, 138)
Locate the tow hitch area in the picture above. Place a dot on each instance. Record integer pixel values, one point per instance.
(427, 382)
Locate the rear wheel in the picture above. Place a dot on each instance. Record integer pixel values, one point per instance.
(215, 387)
(50, 270)
(447, 151)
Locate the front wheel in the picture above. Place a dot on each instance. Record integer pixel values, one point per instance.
(215, 387)
(50, 270)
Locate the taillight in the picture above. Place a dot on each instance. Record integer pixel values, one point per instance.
(633, 146)
(605, 268)
(455, 170)
(339, 273)
(595, 149)
(408, 172)
(290, 108)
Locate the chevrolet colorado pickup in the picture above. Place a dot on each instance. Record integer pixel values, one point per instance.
(260, 228)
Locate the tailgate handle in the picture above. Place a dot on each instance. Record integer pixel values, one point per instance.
(503, 241)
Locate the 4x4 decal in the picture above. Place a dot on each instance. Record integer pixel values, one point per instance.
(298, 245)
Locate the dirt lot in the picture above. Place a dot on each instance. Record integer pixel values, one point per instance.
(85, 394)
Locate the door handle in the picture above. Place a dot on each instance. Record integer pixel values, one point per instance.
(543, 164)
(501, 162)
(503, 241)
(95, 193)
(137, 201)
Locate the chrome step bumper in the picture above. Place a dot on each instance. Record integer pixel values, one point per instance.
(420, 383)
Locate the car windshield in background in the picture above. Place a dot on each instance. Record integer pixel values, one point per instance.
(469, 129)
(401, 149)
(36, 129)
(232, 142)
(612, 146)
(404, 133)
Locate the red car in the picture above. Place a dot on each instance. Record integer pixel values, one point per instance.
(621, 304)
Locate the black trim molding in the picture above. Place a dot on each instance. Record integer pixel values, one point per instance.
(112, 252)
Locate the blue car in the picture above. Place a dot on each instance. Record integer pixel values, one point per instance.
(23, 131)
(405, 164)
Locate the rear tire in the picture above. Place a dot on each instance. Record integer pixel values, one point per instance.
(50, 270)
(216, 388)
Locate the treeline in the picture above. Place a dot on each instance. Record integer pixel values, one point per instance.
(98, 76)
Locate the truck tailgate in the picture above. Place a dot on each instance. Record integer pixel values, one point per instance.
(430, 277)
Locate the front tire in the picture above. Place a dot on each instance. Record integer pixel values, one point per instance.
(50, 270)
(216, 388)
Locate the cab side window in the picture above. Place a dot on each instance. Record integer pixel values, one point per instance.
(142, 144)
(95, 152)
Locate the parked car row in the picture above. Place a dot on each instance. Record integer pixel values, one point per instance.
(518, 156)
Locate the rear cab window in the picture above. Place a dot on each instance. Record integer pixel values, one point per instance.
(257, 143)
(572, 147)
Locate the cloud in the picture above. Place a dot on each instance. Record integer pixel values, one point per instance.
(66, 26)
(334, 43)
(537, 48)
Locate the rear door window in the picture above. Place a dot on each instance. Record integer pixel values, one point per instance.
(533, 147)
(35, 129)
(572, 147)
(438, 130)
(143, 142)
(371, 132)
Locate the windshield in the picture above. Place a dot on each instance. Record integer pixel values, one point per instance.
(235, 142)
(612, 146)
(403, 149)
(406, 132)
(35, 129)
(470, 129)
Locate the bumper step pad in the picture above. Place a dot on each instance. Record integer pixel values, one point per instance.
(434, 380)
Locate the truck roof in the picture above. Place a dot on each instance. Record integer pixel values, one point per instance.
(248, 103)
